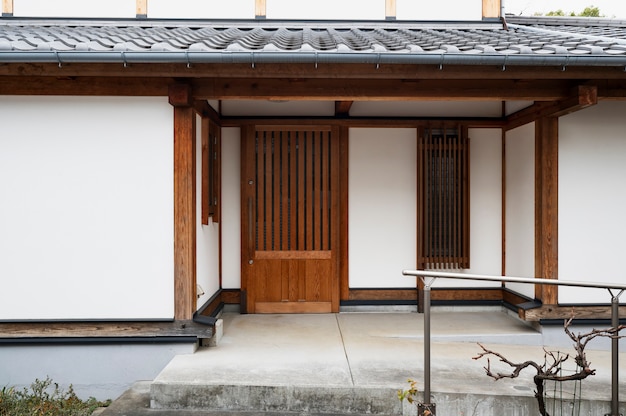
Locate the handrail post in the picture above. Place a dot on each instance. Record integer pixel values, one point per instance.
(615, 354)
(427, 405)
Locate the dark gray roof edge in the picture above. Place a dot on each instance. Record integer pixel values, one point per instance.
(565, 21)
(266, 23)
(573, 35)
(252, 58)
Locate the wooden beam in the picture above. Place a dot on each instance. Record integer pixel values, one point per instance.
(610, 80)
(85, 86)
(184, 207)
(260, 9)
(381, 90)
(565, 312)
(546, 206)
(150, 329)
(583, 96)
(342, 108)
(180, 95)
(390, 10)
(491, 9)
(141, 9)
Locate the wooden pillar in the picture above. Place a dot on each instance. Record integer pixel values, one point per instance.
(492, 9)
(184, 201)
(260, 11)
(142, 9)
(546, 206)
(390, 9)
(7, 8)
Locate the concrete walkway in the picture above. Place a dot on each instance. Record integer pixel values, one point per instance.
(354, 363)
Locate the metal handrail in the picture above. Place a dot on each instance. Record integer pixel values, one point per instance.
(424, 275)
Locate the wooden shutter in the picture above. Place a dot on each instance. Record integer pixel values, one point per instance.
(443, 198)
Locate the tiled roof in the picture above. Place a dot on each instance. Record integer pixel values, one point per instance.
(533, 38)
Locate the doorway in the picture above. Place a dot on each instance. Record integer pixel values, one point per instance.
(290, 219)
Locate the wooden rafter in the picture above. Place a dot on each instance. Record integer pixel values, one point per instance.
(342, 108)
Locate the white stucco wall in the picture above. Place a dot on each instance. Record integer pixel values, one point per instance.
(382, 206)
(520, 206)
(87, 208)
(592, 174)
(207, 236)
(231, 208)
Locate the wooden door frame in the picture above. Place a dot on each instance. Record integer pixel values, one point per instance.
(340, 280)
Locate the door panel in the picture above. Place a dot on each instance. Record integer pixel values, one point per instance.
(289, 219)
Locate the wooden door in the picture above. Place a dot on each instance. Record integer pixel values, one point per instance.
(289, 221)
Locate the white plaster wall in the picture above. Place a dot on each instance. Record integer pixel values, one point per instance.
(520, 206)
(231, 208)
(426, 109)
(74, 8)
(382, 206)
(200, 9)
(87, 208)
(592, 174)
(207, 236)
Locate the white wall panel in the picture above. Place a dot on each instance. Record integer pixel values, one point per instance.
(426, 109)
(75, 8)
(207, 236)
(520, 206)
(200, 9)
(592, 174)
(382, 201)
(231, 208)
(86, 220)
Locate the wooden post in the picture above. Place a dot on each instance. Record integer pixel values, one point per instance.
(260, 9)
(390, 9)
(184, 201)
(546, 206)
(142, 9)
(492, 9)
(7, 8)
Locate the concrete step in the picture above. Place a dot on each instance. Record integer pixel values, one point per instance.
(354, 364)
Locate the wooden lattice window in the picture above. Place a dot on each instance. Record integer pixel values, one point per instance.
(211, 169)
(443, 198)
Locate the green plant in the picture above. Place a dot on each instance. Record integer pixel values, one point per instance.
(45, 398)
(410, 395)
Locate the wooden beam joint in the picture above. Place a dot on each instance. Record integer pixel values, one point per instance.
(180, 95)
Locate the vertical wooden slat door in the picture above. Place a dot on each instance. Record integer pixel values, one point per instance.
(290, 208)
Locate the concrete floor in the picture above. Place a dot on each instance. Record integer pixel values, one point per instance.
(356, 362)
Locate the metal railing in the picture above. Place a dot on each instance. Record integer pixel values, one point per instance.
(429, 277)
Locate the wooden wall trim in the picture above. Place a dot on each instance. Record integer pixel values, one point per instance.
(491, 9)
(7, 8)
(546, 206)
(102, 329)
(184, 212)
(141, 9)
(260, 9)
(390, 10)
(344, 143)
